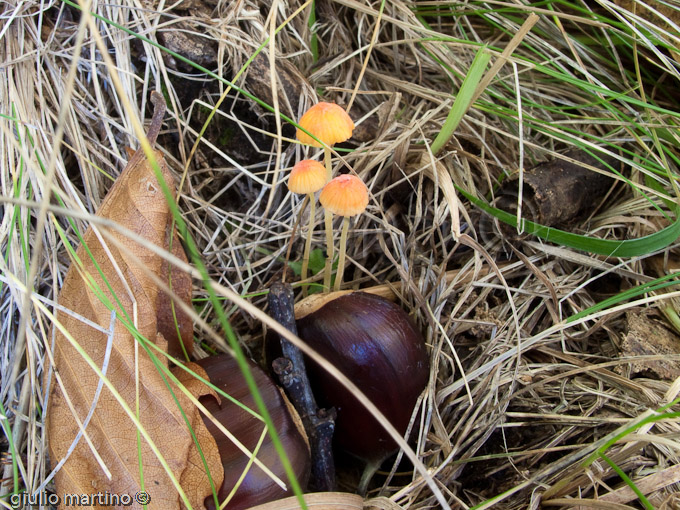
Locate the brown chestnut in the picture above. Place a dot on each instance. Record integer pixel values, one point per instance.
(375, 344)
(256, 488)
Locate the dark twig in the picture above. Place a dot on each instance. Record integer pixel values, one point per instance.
(290, 369)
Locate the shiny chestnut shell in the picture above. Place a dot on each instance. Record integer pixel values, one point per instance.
(376, 345)
(257, 488)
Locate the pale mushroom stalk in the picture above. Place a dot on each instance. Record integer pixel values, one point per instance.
(307, 177)
(328, 268)
(347, 196)
(328, 217)
(308, 241)
(341, 259)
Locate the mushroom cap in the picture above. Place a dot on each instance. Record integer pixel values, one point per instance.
(307, 176)
(328, 122)
(346, 195)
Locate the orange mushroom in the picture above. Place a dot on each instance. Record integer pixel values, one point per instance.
(307, 177)
(347, 196)
(328, 123)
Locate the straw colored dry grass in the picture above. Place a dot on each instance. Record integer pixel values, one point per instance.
(520, 400)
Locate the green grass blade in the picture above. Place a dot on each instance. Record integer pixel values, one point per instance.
(606, 247)
(654, 285)
(314, 40)
(628, 481)
(463, 100)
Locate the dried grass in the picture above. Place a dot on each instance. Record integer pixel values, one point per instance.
(537, 396)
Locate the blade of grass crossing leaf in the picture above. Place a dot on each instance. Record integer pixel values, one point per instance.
(128, 323)
(131, 414)
(162, 371)
(74, 257)
(463, 100)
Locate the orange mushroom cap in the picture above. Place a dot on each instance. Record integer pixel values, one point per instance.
(346, 195)
(328, 122)
(307, 176)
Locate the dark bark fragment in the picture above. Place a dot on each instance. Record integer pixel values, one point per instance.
(559, 193)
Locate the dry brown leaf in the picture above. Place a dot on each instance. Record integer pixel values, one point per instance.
(136, 202)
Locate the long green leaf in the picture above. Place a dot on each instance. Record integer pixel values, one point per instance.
(463, 101)
(606, 247)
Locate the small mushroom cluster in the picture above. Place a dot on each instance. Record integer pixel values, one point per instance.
(370, 340)
(324, 125)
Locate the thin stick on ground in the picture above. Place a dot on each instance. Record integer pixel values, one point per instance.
(290, 369)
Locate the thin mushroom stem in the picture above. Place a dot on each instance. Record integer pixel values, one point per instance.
(308, 242)
(341, 260)
(329, 249)
(328, 268)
